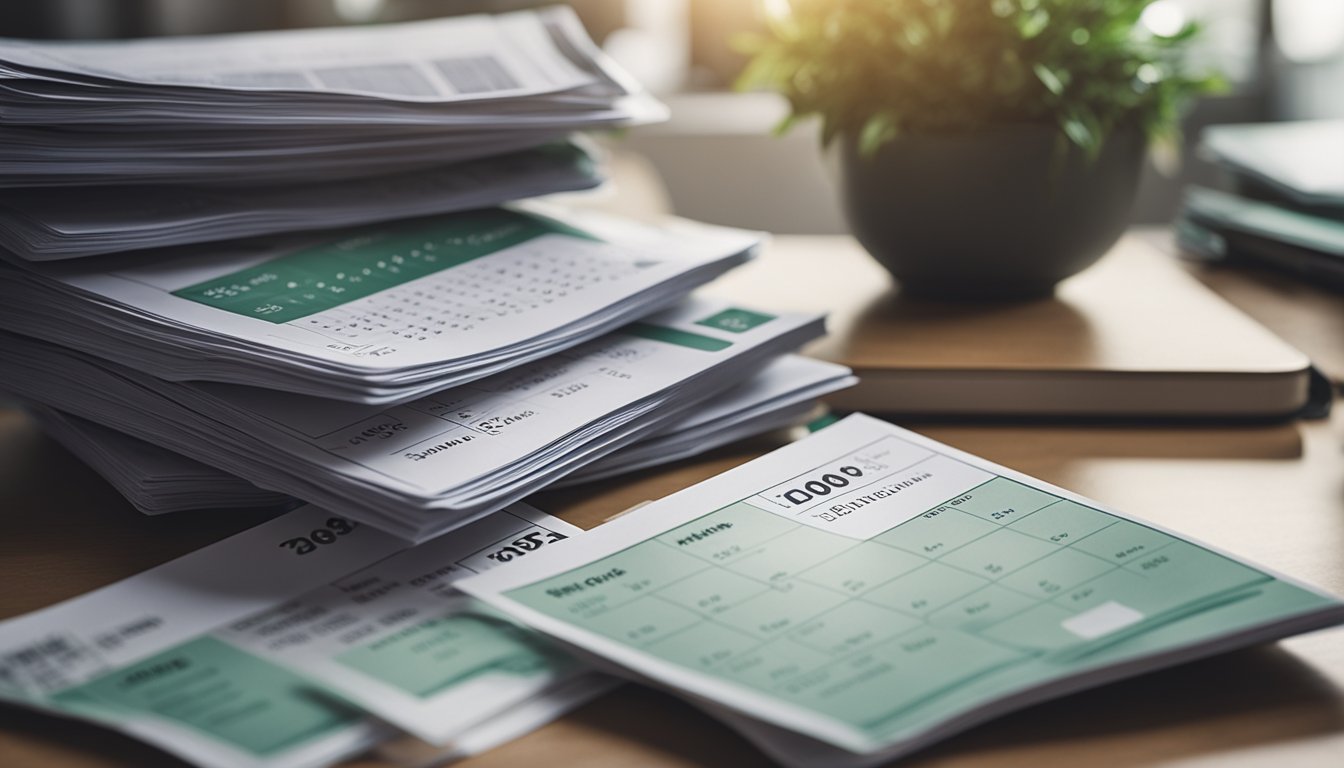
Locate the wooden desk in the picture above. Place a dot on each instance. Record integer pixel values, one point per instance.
(1272, 493)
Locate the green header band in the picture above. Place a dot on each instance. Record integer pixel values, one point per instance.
(675, 336)
(735, 320)
(373, 259)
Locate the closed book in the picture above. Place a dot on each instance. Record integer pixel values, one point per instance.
(1134, 336)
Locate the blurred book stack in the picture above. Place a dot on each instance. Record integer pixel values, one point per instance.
(1287, 212)
(245, 269)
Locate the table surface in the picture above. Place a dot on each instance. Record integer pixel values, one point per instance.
(1273, 493)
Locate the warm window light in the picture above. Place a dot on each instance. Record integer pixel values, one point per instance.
(777, 9)
(357, 10)
(1163, 18)
(1309, 30)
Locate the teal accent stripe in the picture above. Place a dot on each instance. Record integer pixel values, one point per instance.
(674, 336)
(373, 259)
(822, 422)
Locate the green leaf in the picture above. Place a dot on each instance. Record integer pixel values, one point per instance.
(878, 68)
(1079, 133)
(1033, 24)
(1049, 79)
(878, 130)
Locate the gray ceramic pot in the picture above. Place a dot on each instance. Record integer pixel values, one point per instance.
(1003, 213)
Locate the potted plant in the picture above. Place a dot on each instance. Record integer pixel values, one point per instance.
(987, 148)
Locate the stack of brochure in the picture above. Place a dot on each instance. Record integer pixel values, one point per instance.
(436, 462)
(330, 633)
(161, 142)
(843, 601)
(322, 103)
(251, 251)
(155, 481)
(158, 481)
(47, 224)
(1288, 211)
(377, 314)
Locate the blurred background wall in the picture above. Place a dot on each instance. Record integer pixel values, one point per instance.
(716, 158)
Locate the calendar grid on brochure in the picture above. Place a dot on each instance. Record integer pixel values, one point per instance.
(966, 586)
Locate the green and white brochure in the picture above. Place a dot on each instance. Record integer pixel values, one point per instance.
(399, 641)
(428, 466)
(455, 437)
(870, 590)
(450, 288)
(271, 648)
(159, 481)
(375, 314)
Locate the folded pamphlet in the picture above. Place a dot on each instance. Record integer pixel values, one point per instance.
(154, 480)
(304, 105)
(47, 224)
(381, 314)
(284, 664)
(782, 395)
(865, 591)
(842, 601)
(231, 160)
(436, 463)
(158, 481)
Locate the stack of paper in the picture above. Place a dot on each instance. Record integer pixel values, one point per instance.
(843, 601)
(115, 146)
(378, 314)
(306, 655)
(47, 224)
(155, 481)
(303, 105)
(158, 481)
(1289, 214)
(782, 395)
(284, 257)
(437, 462)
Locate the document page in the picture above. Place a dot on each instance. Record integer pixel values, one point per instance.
(442, 60)
(457, 287)
(400, 642)
(440, 461)
(46, 224)
(441, 442)
(159, 481)
(206, 656)
(137, 655)
(866, 586)
(780, 396)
